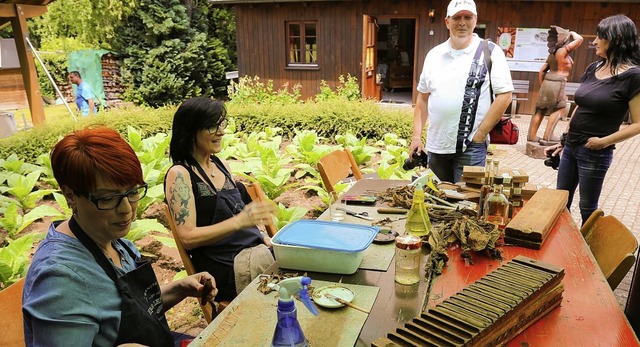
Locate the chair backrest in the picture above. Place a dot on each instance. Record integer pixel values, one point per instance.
(612, 244)
(257, 194)
(11, 317)
(520, 86)
(186, 260)
(336, 166)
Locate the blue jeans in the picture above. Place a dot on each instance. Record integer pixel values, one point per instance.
(586, 168)
(448, 167)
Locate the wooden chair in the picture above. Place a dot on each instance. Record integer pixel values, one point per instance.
(257, 194)
(11, 317)
(632, 308)
(207, 310)
(336, 166)
(612, 244)
(519, 87)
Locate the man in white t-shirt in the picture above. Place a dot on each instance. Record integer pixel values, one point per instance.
(457, 135)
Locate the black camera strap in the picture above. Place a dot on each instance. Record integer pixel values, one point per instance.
(477, 75)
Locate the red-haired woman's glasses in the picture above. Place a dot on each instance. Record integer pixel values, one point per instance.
(219, 127)
(111, 201)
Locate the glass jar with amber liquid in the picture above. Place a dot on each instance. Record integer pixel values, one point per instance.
(496, 207)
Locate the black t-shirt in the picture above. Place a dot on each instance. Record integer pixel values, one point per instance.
(603, 104)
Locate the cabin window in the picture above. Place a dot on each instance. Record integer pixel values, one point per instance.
(302, 44)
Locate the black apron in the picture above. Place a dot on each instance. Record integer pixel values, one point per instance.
(142, 320)
(228, 204)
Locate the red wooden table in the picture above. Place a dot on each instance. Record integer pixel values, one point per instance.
(589, 314)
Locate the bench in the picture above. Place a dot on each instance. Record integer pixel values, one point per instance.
(570, 91)
(519, 87)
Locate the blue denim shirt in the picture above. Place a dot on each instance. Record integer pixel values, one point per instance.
(68, 299)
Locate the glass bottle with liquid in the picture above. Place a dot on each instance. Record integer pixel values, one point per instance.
(496, 207)
(487, 184)
(418, 222)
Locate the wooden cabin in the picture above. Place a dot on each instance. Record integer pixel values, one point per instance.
(290, 41)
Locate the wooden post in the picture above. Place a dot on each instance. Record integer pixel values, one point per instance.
(28, 67)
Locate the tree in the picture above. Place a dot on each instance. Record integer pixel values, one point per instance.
(172, 52)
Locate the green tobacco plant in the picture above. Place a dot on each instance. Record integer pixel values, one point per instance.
(361, 152)
(64, 206)
(305, 147)
(44, 160)
(152, 153)
(14, 258)
(142, 227)
(14, 223)
(391, 160)
(14, 164)
(154, 196)
(288, 215)
(21, 187)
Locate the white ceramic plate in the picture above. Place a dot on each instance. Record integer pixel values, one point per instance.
(339, 291)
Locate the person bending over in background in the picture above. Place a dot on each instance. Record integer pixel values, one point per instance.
(84, 94)
(86, 285)
(214, 215)
(609, 89)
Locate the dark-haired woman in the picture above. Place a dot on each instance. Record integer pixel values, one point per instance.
(609, 90)
(86, 285)
(214, 215)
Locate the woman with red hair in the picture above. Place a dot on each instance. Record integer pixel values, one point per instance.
(86, 285)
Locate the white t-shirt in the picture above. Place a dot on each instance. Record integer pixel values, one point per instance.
(444, 76)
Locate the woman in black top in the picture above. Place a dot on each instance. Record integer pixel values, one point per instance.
(214, 215)
(610, 88)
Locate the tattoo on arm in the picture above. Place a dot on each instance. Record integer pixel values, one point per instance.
(180, 196)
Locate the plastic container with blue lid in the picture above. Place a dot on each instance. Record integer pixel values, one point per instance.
(322, 246)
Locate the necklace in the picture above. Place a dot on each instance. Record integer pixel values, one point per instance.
(212, 174)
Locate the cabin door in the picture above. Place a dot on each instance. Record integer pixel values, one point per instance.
(371, 87)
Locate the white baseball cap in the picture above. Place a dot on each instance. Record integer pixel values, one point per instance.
(456, 6)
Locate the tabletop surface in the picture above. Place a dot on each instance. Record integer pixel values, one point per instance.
(589, 313)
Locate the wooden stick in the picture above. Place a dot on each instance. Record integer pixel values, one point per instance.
(345, 302)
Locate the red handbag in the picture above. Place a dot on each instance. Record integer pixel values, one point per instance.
(505, 132)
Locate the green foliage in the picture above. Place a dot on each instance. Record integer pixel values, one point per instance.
(172, 52)
(13, 223)
(22, 188)
(305, 147)
(363, 119)
(90, 22)
(14, 258)
(287, 215)
(142, 227)
(362, 153)
(251, 90)
(349, 88)
(15, 165)
(39, 140)
(54, 56)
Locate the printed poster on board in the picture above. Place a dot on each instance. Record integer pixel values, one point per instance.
(525, 48)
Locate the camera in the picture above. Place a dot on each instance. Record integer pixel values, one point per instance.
(416, 159)
(552, 161)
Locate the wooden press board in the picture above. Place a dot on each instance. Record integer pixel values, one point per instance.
(250, 320)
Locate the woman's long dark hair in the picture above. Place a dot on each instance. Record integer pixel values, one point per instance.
(622, 34)
(193, 115)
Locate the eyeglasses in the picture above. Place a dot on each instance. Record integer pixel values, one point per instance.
(220, 126)
(111, 201)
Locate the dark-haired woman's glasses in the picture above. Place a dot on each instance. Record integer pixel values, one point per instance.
(111, 201)
(219, 127)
